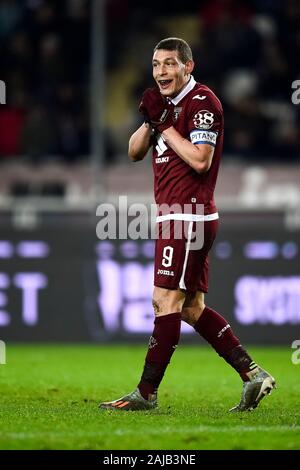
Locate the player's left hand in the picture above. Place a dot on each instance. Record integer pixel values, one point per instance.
(157, 110)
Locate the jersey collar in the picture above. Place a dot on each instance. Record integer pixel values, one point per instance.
(190, 85)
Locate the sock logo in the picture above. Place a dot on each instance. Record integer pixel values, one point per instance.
(152, 342)
(223, 330)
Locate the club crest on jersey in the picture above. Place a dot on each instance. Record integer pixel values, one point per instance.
(176, 113)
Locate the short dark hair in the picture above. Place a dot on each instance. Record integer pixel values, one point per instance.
(176, 44)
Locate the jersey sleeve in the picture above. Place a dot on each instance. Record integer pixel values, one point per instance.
(205, 119)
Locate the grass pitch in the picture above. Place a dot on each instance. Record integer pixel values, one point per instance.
(50, 394)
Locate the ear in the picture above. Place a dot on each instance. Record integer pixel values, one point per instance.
(189, 66)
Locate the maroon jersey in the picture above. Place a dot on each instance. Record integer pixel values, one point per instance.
(198, 117)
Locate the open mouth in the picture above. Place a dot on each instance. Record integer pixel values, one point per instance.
(164, 83)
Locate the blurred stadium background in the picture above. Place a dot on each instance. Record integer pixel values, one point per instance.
(74, 72)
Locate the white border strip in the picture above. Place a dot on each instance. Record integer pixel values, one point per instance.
(188, 217)
(162, 430)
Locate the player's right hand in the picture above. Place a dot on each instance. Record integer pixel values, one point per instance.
(156, 109)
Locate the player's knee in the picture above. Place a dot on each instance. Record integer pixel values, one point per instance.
(192, 314)
(163, 307)
(185, 316)
(166, 305)
(189, 316)
(156, 307)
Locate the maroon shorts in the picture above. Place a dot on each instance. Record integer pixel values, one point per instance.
(177, 266)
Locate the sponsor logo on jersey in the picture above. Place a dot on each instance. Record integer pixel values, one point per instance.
(165, 272)
(163, 116)
(204, 119)
(198, 97)
(204, 137)
(162, 160)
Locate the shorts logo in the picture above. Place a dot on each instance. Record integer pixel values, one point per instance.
(203, 119)
(165, 272)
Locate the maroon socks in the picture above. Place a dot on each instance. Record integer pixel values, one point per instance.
(165, 337)
(162, 344)
(217, 332)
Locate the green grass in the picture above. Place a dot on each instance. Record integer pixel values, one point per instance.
(50, 394)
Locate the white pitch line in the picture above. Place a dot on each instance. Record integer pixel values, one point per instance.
(206, 429)
(153, 432)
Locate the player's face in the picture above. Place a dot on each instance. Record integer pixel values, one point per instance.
(170, 74)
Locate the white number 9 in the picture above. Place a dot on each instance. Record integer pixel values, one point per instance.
(167, 256)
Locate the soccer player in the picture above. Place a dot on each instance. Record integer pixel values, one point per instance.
(184, 126)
